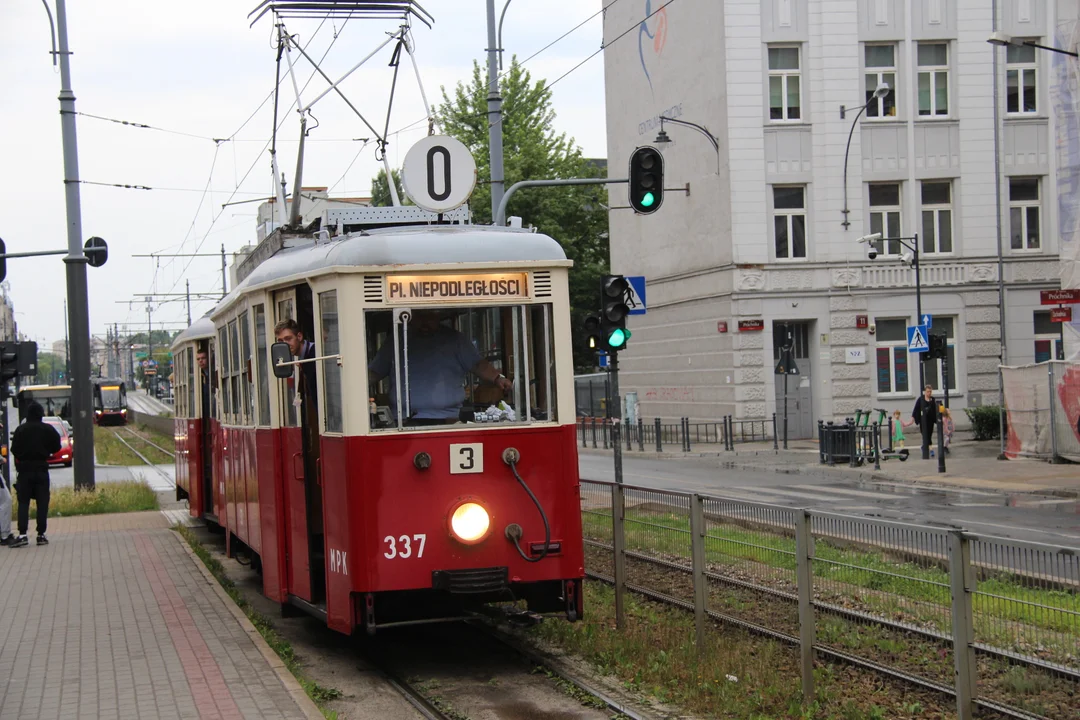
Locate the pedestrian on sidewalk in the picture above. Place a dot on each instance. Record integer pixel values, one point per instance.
(33, 443)
(925, 415)
(6, 538)
(898, 430)
(949, 427)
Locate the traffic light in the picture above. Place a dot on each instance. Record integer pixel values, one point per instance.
(613, 332)
(592, 332)
(938, 344)
(3, 260)
(646, 180)
(9, 361)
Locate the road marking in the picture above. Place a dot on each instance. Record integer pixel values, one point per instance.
(1057, 501)
(909, 489)
(956, 504)
(1018, 527)
(842, 491)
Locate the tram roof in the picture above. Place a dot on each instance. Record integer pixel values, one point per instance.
(201, 329)
(383, 249)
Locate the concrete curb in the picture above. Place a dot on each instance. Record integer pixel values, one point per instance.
(292, 685)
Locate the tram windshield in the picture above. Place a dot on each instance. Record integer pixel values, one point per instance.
(110, 397)
(459, 365)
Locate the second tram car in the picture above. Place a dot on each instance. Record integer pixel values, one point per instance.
(110, 401)
(415, 458)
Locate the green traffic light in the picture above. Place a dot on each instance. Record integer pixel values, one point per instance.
(648, 199)
(618, 338)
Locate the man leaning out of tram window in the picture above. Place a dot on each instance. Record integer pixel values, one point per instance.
(288, 332)
(439, 359)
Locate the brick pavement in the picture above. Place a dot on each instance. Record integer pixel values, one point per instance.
(117, 618)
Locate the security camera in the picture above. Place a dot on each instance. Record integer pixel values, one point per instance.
(872, 253)
(872, 328)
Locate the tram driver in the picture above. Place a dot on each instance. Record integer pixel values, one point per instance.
(438, 361)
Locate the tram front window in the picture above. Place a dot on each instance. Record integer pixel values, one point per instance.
(110, 398)
(456, 365)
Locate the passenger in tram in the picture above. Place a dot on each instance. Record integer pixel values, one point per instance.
(439, 357)
(288, 332)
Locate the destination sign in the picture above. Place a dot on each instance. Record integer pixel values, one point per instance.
(456, 288)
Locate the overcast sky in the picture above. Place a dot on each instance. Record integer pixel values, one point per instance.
(196, 67)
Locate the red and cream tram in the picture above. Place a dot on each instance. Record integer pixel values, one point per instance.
(371, 482)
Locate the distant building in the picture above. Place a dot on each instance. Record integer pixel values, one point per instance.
(8, 330)
(59, 349)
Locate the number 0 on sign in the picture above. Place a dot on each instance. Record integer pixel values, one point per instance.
(439, 173)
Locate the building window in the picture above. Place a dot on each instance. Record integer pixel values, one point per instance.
(1047, 338)
(885, 216)
(785, 96)
(937, 217)
(880, 68)
(892, 356)
(933, 79)
(1024, 213)
(932, 369)
(789, 222)
(1021, 86)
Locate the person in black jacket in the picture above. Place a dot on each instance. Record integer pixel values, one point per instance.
(33, 443)
(925, 415)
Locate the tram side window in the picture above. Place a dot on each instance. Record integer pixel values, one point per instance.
(261, 366)
(246, 379)
(234, 371)
(331, 345)
(458, 362)
(189, 374)
(223, 370)
(285, 311)
(180, 386)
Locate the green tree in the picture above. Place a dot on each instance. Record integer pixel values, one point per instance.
(380, 191)
(532, 150)
(49, 367)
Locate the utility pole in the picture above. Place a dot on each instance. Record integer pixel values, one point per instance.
(223, 271)
(149, 349)
(78, 309)
(495, 139)
(67, 347)
(187, 286)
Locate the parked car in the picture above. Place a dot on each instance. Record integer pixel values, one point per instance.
(64, 455)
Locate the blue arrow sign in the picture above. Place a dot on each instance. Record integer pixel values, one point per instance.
(637, 294)
(927, 320)
(916, 339)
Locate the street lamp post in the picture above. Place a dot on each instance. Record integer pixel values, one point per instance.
(881, 91)
(662, 137)
(912, 244)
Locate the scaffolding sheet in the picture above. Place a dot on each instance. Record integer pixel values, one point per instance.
(1043, 407)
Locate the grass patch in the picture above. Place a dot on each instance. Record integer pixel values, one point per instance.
(110, 451)
(735, 674)
(118, 497)
(319, 694)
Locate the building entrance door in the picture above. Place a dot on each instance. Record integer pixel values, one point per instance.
(800, 401)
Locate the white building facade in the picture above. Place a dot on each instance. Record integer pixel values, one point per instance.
(758, 245)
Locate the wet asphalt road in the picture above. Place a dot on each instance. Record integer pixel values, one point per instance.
(1028, 517)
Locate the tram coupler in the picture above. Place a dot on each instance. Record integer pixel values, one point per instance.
(515, 616)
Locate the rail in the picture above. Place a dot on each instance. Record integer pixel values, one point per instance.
(992, 621)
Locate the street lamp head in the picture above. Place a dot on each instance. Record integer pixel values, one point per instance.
(662, 138)
(1000, 39)
(873, 237)
(882, 90)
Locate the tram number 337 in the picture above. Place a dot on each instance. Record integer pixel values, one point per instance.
(404, 547)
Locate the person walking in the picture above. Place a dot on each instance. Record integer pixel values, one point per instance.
(925, 415)
(6, 538)
(31, 446)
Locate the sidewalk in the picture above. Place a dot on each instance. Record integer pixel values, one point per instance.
(117, 618)
(970, 465)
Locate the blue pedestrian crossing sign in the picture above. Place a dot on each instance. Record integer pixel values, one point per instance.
(916, 339)
(637, 294)
(927, 320)
(605, 361)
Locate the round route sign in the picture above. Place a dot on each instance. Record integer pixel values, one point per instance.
(439, 173)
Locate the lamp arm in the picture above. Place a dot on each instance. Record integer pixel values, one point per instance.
(703, 130)
(847, 150)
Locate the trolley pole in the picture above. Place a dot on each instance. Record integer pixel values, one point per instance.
(78, 307)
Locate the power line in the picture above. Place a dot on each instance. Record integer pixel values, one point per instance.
(144, 126)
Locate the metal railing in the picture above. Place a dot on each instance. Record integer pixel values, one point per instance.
(994, 622)
(660, 435)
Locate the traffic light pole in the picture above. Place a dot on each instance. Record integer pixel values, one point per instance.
(76, 261)
(618, 538)
(500, 214)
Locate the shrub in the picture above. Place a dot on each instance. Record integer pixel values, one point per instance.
(985, 422)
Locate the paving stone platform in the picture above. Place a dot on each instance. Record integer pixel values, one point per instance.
(117, 618)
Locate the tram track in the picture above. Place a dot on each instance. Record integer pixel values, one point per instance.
(146, 461)
(149, 442)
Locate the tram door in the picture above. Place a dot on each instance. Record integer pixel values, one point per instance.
(305, 554)
(208, 411)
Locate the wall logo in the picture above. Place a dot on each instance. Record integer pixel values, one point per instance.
(657, 36)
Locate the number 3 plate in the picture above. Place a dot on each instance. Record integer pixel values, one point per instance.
(466, 459)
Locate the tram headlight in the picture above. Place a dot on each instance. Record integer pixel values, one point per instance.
(470, 522)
